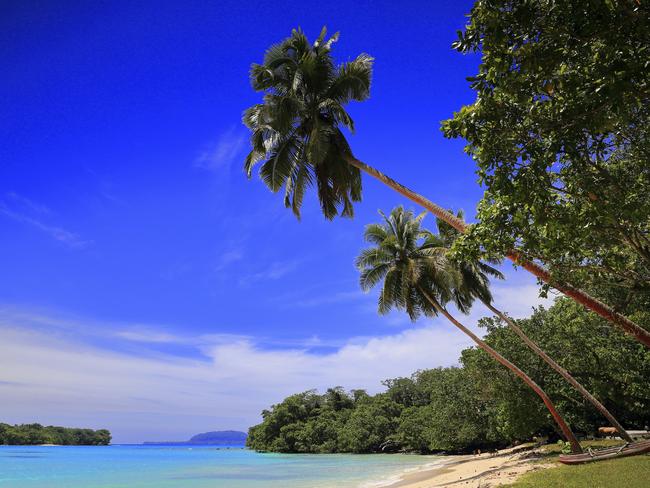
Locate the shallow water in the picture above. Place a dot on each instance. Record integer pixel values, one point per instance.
(194, 467)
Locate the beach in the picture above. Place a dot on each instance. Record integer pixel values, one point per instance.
(473, 471)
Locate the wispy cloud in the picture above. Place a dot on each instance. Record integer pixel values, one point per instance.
(105, 187)
(29, 204)
(149, 336)
(220, 155)
(142, 397)
(274, 271)
(59, 362)
(30, 213)
(329, 299)
(228, 257)
(70, 239)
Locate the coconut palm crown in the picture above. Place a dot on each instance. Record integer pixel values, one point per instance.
(413, 261)
(475, 273)
(296, 131)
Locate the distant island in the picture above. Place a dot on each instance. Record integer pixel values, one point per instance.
(36, 434)
(220, 437)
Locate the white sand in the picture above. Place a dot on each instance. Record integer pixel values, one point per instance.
(483, 470)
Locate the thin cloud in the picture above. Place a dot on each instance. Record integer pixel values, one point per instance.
(145, 334)
(149, 336)
(220, 155)
(180, 396)
(28, 204)
(274, 271)
(59, 234)
(340, 297)
(227, 258)
(225, 385)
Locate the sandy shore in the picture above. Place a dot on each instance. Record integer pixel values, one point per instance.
(473, 471)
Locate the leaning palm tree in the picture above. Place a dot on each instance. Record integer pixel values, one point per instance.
(296, 134)
(474, 284)
(418, 277)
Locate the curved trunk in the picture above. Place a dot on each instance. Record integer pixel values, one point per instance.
(568, 434)
(593, 304)
(563, 372)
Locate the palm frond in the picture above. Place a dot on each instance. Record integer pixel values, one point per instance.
(278, 167)
(371, 276)
(332, 40)
(388, 297)
(301, 178)
(353, 80)
(490, 270)
(373, 256)
(375, 233)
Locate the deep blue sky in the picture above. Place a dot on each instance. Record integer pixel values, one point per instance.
(126, 221)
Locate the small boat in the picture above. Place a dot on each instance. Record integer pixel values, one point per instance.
(628, 449)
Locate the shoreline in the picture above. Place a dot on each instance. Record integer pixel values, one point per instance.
(475, 470)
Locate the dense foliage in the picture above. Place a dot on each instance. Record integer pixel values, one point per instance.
(34, 434)
(559, 131)
(479, 404)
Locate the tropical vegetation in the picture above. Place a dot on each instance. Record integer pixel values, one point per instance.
(559, 132)
(479, 404)
(34, 434)
(475, 272)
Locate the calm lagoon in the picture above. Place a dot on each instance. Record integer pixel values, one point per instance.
(195, 467)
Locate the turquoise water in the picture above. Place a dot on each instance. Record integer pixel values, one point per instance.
(195, 467)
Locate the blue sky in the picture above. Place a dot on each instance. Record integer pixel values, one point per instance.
(147, 285)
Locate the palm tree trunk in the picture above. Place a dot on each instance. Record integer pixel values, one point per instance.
(563, 372)
(568, 434)
(593, 304)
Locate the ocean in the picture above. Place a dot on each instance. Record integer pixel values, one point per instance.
(195, 467)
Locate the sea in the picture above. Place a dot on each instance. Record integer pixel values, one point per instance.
(137, 466)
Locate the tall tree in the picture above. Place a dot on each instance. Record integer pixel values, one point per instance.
(560, 131)
(296, 135)
(418, 277)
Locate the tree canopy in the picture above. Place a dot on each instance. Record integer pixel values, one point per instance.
(559, 131)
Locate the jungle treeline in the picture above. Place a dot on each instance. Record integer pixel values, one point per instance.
(479, 404)
(35, 434)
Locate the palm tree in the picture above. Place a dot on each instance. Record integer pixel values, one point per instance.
(296, 132)
(475, 285)
(418, 278)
